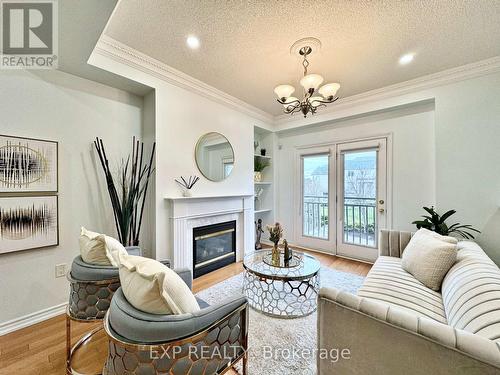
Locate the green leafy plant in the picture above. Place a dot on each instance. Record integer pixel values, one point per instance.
(436, 223)
(259, 164)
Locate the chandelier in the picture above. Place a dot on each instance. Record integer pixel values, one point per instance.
(310, 83)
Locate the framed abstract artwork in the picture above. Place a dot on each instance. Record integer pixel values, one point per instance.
(28, 165)
(28, 223)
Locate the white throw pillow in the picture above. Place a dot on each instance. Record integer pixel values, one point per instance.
(429, 256)
(99, 249)
(152, 287)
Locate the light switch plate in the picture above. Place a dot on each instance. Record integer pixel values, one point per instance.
(60, 270)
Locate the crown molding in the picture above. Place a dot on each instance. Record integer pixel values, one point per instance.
(360, 103)
(120, 52)
(413, 86)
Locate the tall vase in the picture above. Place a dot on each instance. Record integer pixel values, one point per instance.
(276, 255)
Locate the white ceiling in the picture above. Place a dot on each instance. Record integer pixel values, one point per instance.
(80, 25)
(245, 44)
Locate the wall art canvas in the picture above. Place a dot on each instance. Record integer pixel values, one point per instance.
(28, 223)
(27, 165)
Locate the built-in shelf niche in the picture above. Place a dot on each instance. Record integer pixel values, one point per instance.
(264, 207)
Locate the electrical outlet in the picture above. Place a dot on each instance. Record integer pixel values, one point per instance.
(60, 270)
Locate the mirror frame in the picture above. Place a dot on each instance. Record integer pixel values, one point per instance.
(196, 159)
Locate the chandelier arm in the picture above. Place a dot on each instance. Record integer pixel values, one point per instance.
(326, 101)
(291, 108)
(289, 103)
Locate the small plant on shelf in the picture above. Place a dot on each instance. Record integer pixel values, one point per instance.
(259, 164)
(436, 223)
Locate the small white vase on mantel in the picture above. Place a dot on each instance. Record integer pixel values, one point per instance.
(186, 193)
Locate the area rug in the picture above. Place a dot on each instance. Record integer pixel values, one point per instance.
(274, 343)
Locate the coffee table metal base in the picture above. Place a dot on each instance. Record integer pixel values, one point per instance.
(281, 298)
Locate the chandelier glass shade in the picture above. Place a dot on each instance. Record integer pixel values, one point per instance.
(311, 84)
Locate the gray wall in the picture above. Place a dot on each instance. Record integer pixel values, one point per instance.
(73, 111)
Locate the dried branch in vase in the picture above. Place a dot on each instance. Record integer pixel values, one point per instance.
(134, 174)
(189, 183)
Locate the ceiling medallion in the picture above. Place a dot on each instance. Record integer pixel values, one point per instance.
(310, 83)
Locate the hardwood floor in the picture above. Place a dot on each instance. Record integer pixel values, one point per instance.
(41, 348)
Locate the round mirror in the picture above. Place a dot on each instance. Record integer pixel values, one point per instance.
(214, 156)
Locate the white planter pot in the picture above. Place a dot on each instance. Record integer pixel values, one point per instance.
(257, 176)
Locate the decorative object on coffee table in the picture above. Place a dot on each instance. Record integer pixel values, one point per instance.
(275, 234)
(436, 223)
(134, 175)
(187, 185)
(259, 164)
(282, 292)
(287, 252)
(258, 234)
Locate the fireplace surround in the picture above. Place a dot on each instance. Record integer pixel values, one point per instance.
(187, 213)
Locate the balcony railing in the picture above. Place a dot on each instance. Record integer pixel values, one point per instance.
(315, 218)
(359, 219)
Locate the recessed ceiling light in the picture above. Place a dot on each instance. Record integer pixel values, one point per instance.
(406, 59)
(193, 42)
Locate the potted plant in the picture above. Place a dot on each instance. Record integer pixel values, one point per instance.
(436, 223)
(259, 164)
(275, 234)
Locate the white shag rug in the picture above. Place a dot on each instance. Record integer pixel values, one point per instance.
(281, 337)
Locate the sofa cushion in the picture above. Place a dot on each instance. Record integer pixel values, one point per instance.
(388, 282)
(152, 287)
(471, 292)
(429, 256)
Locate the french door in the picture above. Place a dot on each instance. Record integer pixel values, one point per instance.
(343, 194)
(317, 203)
(361, 197)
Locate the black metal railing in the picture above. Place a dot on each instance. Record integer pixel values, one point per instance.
(315, 218)
(359, 219)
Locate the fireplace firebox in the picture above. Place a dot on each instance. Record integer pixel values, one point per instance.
(214, 246)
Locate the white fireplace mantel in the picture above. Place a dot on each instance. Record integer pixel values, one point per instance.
(186, 213)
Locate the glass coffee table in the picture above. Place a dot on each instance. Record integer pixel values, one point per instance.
(287, 290)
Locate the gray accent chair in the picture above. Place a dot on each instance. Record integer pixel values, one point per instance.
(396, 325)
(209, 341)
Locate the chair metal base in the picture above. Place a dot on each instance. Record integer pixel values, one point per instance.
(71, 349)
(225, 342)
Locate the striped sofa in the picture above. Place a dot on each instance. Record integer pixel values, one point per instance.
(396, 325)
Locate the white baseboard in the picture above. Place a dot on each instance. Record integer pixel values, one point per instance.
(30, 319)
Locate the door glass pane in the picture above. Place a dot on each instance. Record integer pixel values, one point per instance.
(315, 196)
(360, 192)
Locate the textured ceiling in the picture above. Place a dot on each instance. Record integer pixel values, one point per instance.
(80, 25)
(245, 44)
